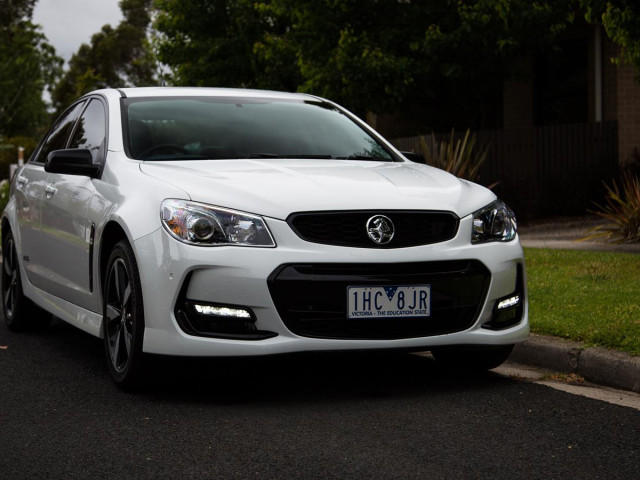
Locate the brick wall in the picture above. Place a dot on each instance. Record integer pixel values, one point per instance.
(621, 102)
(628, 113)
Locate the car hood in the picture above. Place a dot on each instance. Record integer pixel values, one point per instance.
(278, 187)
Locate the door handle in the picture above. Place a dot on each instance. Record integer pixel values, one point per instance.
(21, 180)
(50, 190)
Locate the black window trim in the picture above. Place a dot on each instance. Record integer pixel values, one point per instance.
(36, 152)
(102, 100)
(86, 100)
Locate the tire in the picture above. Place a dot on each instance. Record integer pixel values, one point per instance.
(472, 359)
(20, 313)
(123, 318)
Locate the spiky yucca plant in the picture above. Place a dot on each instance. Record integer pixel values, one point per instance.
(458, 157)
(621, 209)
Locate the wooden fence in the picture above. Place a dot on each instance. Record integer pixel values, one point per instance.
(544, 171)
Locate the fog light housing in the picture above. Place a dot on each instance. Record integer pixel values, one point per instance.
(507, 311)
(219, 321)
(210, 319)
(216, 320)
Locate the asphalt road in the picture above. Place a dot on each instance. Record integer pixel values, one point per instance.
(293, 417)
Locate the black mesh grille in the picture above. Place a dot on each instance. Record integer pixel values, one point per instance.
(312, 299)
(349, 229)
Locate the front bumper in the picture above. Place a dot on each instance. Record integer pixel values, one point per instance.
(239, 276)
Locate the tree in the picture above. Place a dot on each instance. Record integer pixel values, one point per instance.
(212, 43)
(370, 55)
(387, 55)
(28, 65)
(14, 11)
(116, 57)
(361, 53)
(621, 20)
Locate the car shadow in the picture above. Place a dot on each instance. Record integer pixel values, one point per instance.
(70, 355)
(308, 377)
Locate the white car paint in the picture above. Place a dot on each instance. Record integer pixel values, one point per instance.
(54, 234)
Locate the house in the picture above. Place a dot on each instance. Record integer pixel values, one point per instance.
(579, 85)
(569, 121)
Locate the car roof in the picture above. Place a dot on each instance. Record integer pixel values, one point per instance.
(208, 92)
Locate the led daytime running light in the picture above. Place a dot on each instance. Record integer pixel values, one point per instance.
(509, 302)
(222, 311)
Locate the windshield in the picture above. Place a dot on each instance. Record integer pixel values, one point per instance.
(194, 128)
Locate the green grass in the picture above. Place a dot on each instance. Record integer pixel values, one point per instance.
(592, 297)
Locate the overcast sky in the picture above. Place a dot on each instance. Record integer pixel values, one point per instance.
(70, 23)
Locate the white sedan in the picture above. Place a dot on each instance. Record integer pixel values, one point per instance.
(219, 222)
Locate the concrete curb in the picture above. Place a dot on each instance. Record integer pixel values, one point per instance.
(527, 241)
(570, 233)
(595, 364)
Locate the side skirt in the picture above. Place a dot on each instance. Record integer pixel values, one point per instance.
(90, 322)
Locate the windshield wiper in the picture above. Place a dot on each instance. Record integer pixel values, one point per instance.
(308, 156)
(275, 155)
(262, 155)
(349, 157)
(160, 158)
(363, 157)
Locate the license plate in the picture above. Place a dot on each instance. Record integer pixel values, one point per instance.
(389, 301)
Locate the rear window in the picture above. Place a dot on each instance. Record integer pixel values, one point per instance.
(229, 128)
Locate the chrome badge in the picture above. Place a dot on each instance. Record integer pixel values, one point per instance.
(380, 229)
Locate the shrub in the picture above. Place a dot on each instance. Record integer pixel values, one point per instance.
(4, 194)
(459, 157)
(622, 210)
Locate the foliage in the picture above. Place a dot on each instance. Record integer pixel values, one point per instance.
(621, 20)
(362, 55)
(585, 296)
(116, 57)
(4, 194)
(211, 43)
(621, 209)
(14, 10)
(457, 156)
(9, 154)
(28, 65)
(383, 56)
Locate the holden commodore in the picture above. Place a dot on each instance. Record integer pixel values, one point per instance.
(224, 222)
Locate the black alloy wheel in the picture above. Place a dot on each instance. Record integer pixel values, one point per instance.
(123, 318)
(19, 312)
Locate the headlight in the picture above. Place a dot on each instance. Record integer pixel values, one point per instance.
(200, 224)
(495, 222)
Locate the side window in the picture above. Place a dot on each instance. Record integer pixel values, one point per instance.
(59, 134)
(91, 130)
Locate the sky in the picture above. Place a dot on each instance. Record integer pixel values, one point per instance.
(70, 23)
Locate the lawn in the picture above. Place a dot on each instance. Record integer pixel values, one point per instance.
(593, 297)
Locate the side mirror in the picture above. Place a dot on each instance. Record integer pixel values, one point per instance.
(414, 157)
(75, 161)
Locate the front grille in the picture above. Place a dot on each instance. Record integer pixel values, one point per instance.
(412, 228)
(311, 299)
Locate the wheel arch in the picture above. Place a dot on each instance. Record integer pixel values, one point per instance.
(6, 228)
(111, 235)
